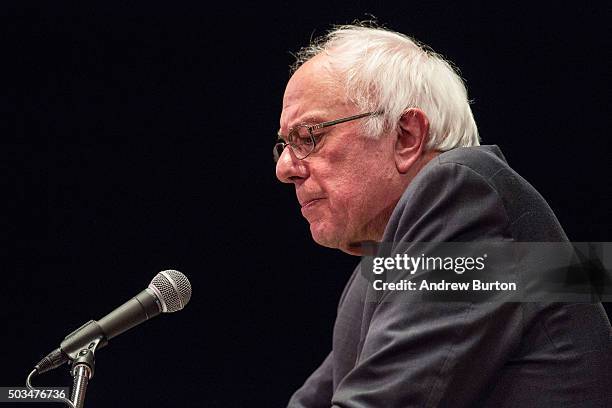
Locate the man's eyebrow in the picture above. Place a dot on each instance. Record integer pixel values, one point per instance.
(313, 119)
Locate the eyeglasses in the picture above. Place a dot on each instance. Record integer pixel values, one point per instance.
(303, 140)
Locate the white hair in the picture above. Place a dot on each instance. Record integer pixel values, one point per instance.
(388, 72)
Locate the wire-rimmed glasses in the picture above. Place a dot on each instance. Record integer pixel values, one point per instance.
(302, 139)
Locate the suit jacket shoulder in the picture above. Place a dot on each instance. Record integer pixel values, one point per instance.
(483, 170)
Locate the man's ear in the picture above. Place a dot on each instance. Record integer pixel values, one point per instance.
(412, 135)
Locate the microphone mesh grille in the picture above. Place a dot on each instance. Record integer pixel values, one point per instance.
(174, 288)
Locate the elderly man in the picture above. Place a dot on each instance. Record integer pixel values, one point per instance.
(379, 141)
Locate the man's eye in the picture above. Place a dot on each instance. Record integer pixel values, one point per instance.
(318, 136)
(307, 141)
(300, 136)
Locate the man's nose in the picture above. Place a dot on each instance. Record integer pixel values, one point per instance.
(289, 169)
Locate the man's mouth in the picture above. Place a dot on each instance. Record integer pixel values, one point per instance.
(309, 203)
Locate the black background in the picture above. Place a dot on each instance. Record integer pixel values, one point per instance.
(139, 139)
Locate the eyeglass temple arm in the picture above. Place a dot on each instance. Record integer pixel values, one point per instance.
(337, 121)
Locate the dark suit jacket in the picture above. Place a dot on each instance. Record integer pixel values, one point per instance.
(390, 354)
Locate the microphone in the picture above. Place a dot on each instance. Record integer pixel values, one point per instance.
(168, 292)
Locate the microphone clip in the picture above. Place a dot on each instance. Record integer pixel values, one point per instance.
(80, 345)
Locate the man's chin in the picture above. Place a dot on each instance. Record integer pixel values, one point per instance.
(328, 236)
(324, 234)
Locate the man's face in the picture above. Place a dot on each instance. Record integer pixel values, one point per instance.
(347, 186)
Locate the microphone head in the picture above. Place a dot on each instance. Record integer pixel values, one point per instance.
(173, 290)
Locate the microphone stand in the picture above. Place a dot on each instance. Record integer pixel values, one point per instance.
(81, 353)
(83, 364)
(82, 371)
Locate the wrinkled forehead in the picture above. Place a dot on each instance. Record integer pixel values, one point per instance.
(313, 94)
